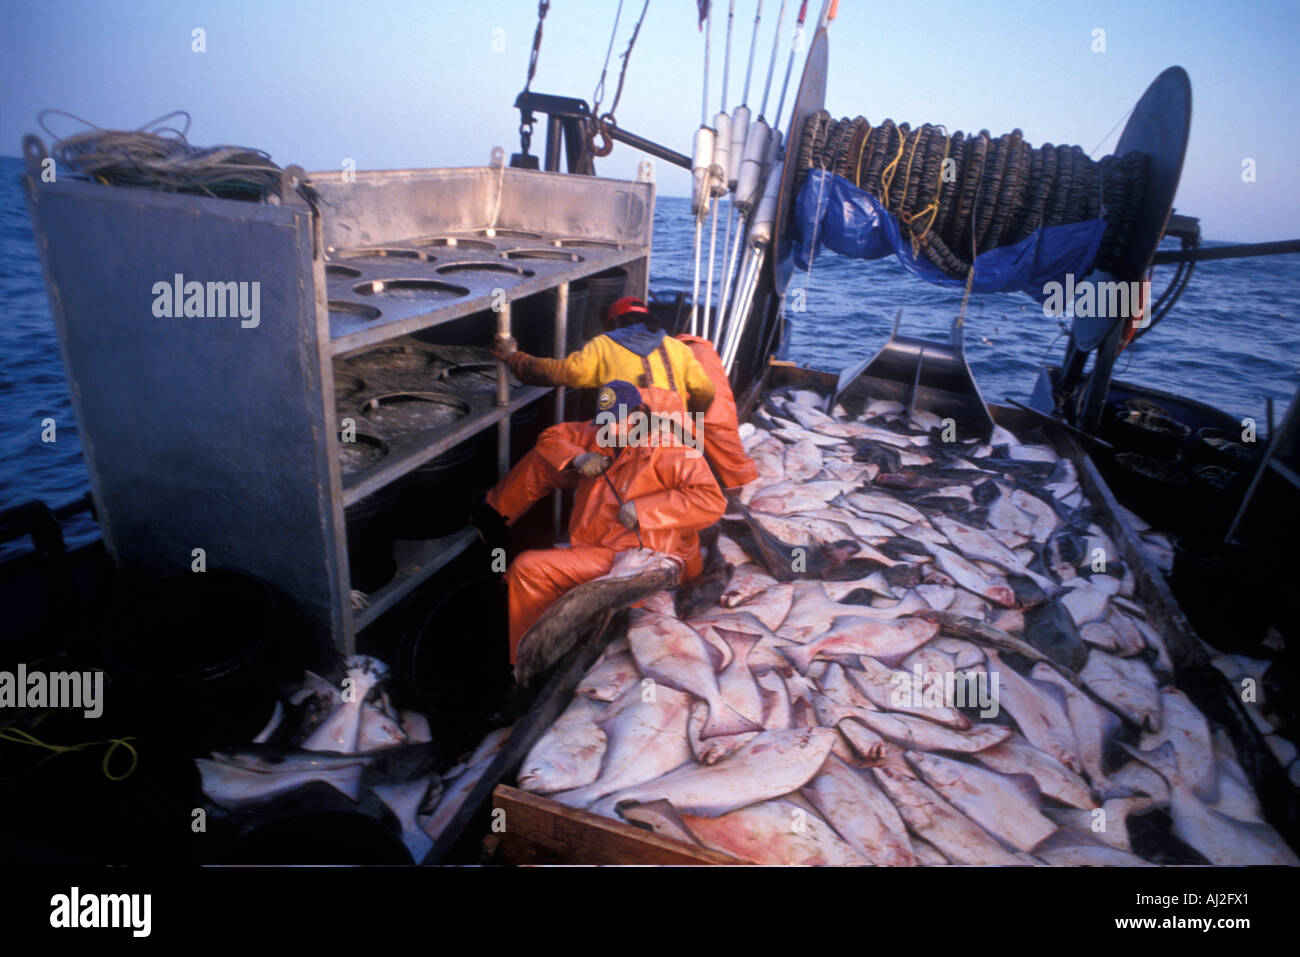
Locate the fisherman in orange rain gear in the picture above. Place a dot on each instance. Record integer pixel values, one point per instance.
(633, 349)
(687, 365)
(720, 427)
(668, 496)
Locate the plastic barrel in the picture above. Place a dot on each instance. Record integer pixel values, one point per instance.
(187, 655)
(1204, 577)
(1221, 447)
(370, 539)
(1151, 434)
(525, 427)
(435, 499)
(602, 290)
(1155, 490)
(456, 664)
(532, 321)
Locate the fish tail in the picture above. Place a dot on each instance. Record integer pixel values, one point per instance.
(1049, 587)
(726, 720)
(1109, 792)
(739, 642)
(801, 657)
(608, 807)
(1162, 760)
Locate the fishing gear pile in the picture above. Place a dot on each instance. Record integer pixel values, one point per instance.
(996, 192)
(159, 157)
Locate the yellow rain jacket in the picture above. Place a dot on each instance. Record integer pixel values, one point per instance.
(645, 357)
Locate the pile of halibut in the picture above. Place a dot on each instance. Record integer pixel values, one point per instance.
(966, 680)
(359, 745)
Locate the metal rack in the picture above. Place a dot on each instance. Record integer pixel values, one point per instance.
(210, 432)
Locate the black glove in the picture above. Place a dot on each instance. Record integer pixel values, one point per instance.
(490, 524)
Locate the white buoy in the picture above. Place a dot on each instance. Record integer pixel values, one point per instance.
(760, 233)
(773, 150)
(749, 180)
(701, 170)
(739, 133)
(721, 168)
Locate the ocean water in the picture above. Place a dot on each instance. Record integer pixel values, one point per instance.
(1232, 341)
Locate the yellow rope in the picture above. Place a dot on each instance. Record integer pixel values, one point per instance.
(970, 273)
(857, 177)
(933, 206)
(19, 736)
(907, 174)
(887, 174)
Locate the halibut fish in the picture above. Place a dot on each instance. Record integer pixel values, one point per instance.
(673, 653)
(772, 764)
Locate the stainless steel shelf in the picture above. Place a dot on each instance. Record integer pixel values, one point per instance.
(351, 330)
(358, 485)
(417, 562)
(277, 509)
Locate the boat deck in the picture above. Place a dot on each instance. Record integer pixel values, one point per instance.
(589, 841)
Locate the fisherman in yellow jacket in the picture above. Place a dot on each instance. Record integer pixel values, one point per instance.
(634, 349)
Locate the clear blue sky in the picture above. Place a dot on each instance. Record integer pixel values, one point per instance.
(417, 82)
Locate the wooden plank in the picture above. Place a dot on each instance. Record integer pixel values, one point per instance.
(541, 831)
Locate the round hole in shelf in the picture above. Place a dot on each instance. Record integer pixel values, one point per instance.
(390, 359)
(361, 452)
(401, 412)
(410, 289)
(454, 242)
(360, 310)
(346, 384)
(494, 265)
(388, 252)
(544, 253)
(335, 271)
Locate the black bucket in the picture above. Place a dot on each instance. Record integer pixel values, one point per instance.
(532, 321)
(1207, 575)
(1147, 432)
(1221, 447)
(525, 427)
(602, 290)
(435, 499)
(456, 665)
(1155, 490)
(188, 657)
(318, 838)
(1210, 504)
(370, 540)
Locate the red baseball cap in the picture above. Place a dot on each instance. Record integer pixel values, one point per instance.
(622, 307)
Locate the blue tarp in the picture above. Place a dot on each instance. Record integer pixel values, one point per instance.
(851, 222)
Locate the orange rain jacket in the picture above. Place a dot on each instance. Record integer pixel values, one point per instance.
(722, 445)
(676, 496)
